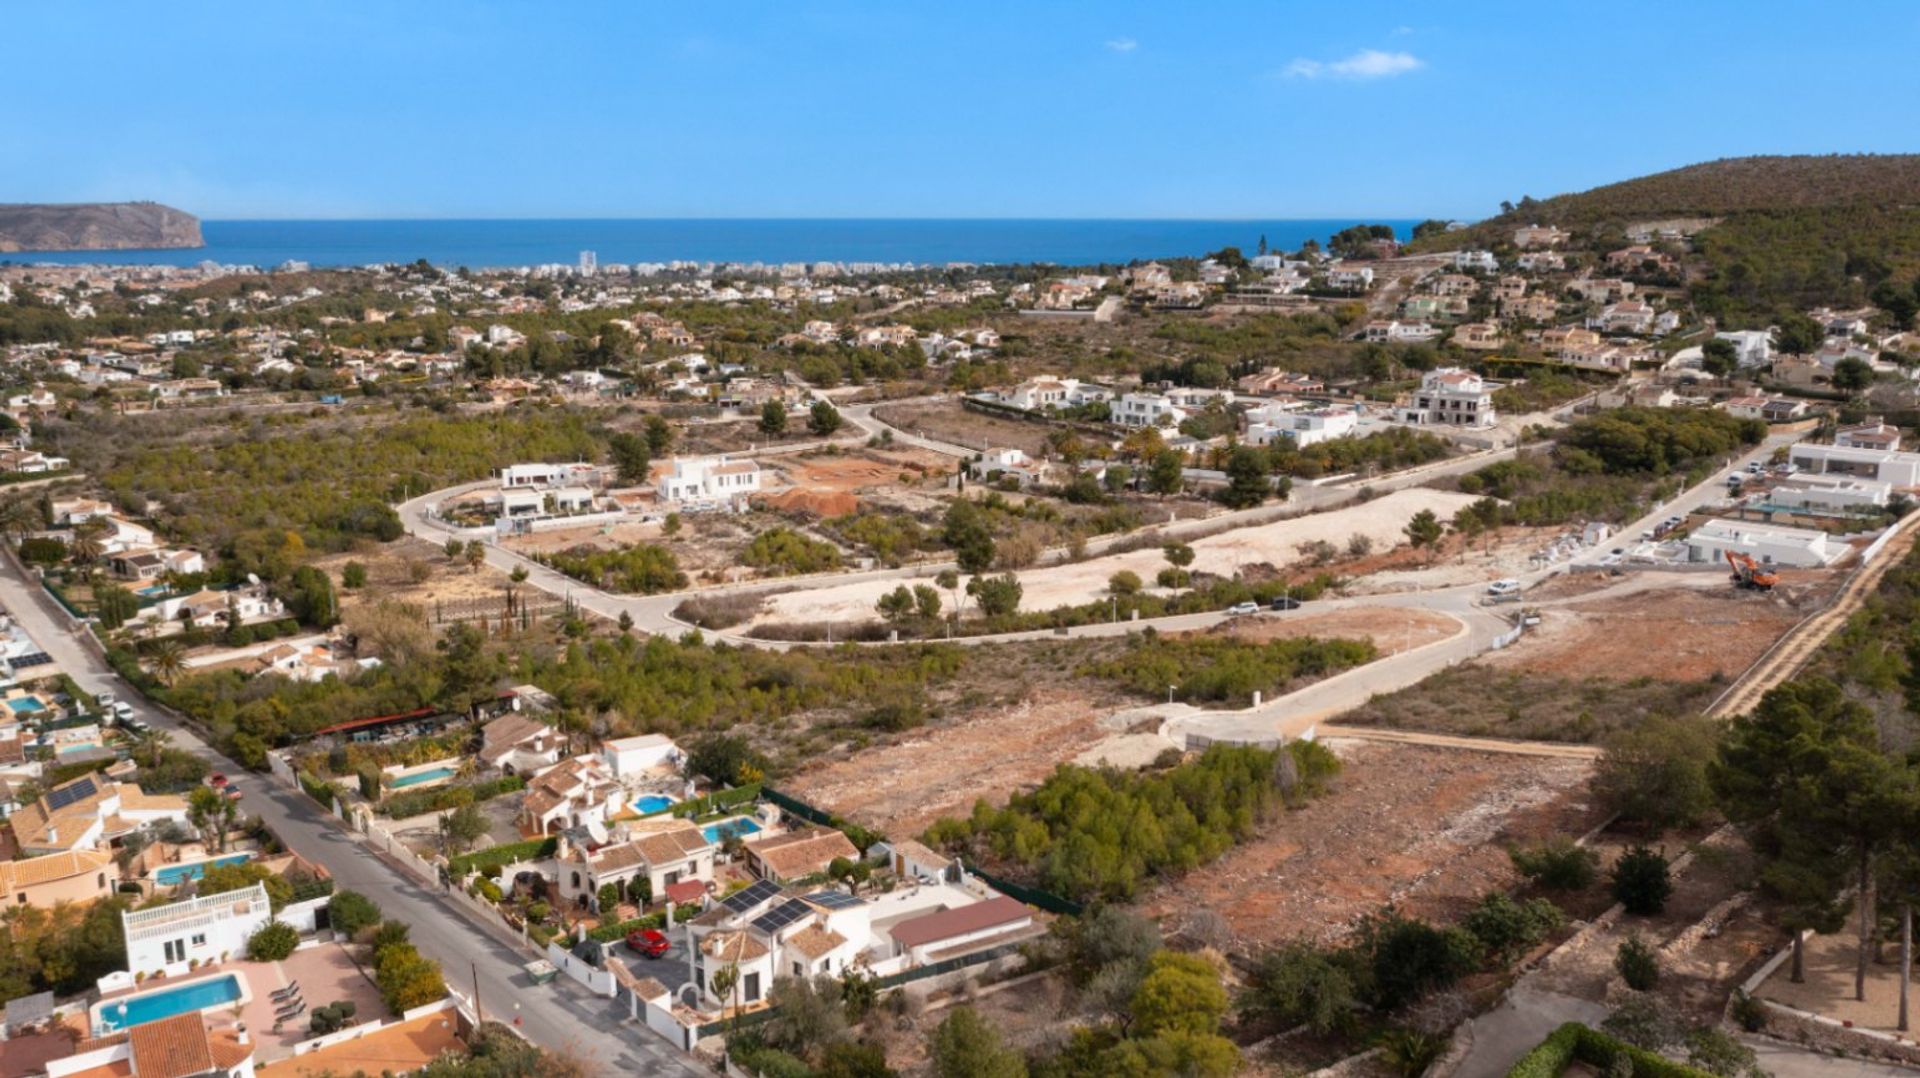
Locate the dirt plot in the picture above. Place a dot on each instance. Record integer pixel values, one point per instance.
(1672, 627)
(1277, 544)
(949, 421)
(390, 575)
(1392, 630)
(1425, 829)
(990, 753)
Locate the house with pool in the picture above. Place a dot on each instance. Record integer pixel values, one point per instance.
(170, 939)
(665, 852)
(579, 792)
(90, 812)
(519, 744)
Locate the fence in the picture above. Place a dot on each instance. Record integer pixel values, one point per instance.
(798, 807)
(1032, 896)
(486, 608)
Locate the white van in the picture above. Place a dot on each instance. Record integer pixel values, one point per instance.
(1508, 586)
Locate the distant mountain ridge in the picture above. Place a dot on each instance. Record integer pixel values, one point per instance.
(95, 226)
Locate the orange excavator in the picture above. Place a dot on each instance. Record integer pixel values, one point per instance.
(1747, 573)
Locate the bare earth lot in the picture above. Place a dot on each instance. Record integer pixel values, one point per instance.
(948, 421)
(903, 787)
(1391, 630)
(1276, 544)
(1426, 829)
(1678, 628)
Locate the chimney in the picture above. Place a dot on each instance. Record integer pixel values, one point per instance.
(53, 835)
(240, 1034)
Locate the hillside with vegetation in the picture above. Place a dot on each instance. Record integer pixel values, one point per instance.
(1788, 232)
(96, 226)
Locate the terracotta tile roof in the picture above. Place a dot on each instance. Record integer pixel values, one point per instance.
(57, 866)
(507, 732)
(733, 947)
(802, 853)
(814, 941)
(946, 924)
(685, 891)
(174, 1047)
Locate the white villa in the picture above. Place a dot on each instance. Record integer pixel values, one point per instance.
(579, 792)
(1449, 396)
(1307, 427)
(168, 938)
(709, 480)
(1148, 410)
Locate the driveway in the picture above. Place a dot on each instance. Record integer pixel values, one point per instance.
(559, 1016)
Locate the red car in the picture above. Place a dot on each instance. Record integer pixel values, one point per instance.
(648, 941)
(216, 779)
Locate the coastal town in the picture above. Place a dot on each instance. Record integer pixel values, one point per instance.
(1377, 657)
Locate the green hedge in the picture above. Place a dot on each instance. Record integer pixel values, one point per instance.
(611, 933)
(1574, 1041)
(323, 792)
(709, 804)
(494, 856)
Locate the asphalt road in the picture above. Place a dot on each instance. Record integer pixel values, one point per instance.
(561, 1015)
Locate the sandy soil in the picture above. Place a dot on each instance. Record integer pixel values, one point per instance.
(1392, 630)
(948, 421)
(1275, 544)
(1676, 627)
(990, 754)
(862, 471)
(388, 577)
(1424, 828)
(1502, 554)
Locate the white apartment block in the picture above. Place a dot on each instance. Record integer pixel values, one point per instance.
(1449, 397)
(1303, 428)
(1882, 465)
(1147, 410)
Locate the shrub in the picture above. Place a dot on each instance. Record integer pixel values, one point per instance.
(350, 911)
(332, 1018)
(406, 978)
(1409, 958)
(1300, 984)
(1641, 881)
(783, 551)
(1124, 582)
(1637, 964)
(272, 941)
(1559, 865)
(1748, 1012)
(1507, 928)
(608, 897)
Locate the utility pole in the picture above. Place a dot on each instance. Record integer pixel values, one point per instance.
(479, 1015)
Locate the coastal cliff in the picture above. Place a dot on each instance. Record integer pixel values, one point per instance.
(95, 226)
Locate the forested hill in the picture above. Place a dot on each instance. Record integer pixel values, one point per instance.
(1791, 232)
(96, 226)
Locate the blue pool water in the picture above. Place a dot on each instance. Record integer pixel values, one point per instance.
(739, 825)
(652, 803)
(153, 1006)
(419, 777)
(26, 705)
(173, 875)
(153, 590)
(64, 749)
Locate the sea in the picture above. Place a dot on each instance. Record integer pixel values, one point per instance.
(495, 244)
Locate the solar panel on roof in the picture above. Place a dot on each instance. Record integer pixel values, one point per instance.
(67, 795)
(759, 891)
(833, 900)
(781, 916)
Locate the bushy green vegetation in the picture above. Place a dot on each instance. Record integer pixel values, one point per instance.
(890, 537)
(636, 569)
(1106, 834)
(1652, 441)
(1574, 1042)
(1211, 669)
(783, 551)
(406, 978)
(323, 487)
(402, 806)
(1384, 451)
(485, 861)
(62, 950)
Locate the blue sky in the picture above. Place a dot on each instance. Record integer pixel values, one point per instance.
(986, 109)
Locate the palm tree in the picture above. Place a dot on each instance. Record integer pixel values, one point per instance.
(88, 544)
(19, 516)
(168, 660)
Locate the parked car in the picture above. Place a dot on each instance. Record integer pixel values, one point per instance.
(216, 779)
(1244, 608)
(104, 699)
(122, 713)
(1286, 602)
(1509, 586)
(650, 942)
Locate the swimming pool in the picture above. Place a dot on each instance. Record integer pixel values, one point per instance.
(174, 875)
(739, 825)
(152, 1006)
(419, 777)
(652, 803)
(153, 591)
(26, 705)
